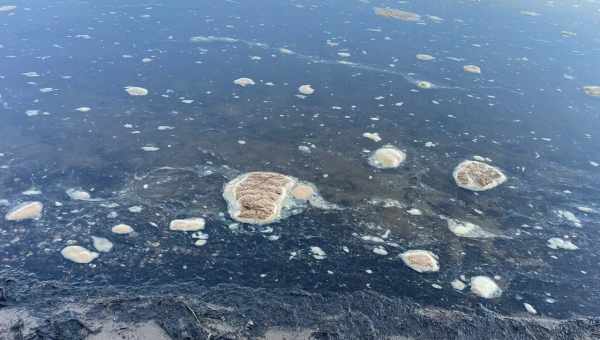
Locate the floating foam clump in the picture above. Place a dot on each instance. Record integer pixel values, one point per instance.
(592, 90)
(559, 243)
(472, 69)
(187, 224)
(468, 229)
(25, 211)
(102, 244)
(424, 84)
(243, 82)
(306, 89)
(424, 57)
(422, 261)
(266, 197)
(122, 229)
(485, 287)
(393, 13)
(78, 195)
(136, 91)
(387, 157)
(79, 254)
(477, 176)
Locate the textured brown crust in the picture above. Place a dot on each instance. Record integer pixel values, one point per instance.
(260, 193)
(477, 176)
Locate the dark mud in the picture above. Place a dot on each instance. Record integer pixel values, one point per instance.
(232, 312)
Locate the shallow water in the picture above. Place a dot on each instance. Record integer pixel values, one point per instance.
(171, 151)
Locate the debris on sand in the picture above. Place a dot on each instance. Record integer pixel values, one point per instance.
(79, 254)
(387, 157)
(136, 91)
(559, 243)
(477, 176)
(266, 197)
(78, 194)
(485, 287)
(472, 69)
(102, 244)
(25, 211)
(467, 229)
(422, 261)
(306, 90)
(592, 90)
(393, 13)
(187, 224)
(243, 82)
(122, 229)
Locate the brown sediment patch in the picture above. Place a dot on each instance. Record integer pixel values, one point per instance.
(485, 287)
(306, 89)
(136, 91)
(243, 82)
(477, 176)
(393, 13)
(257, 197)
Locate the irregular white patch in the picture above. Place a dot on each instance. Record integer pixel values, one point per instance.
(374, 136)
(467, 229)
(458, 284)
(83, 109)
(485, 287)
(135, 209)
(414, 212)
(586, 210)
(380, 251)
(7, 8)
(25, 211)
(150, 148)
(243, 82)
(30, 74)
(318, 253)
(102, 244)
(78, 195)
(164, 127)
(79, 254)
(559, 243)
(187, 224)
(472, 69)
(569, 216)
(122, 229)
(529, 308)
(306, 90)
(136, 91)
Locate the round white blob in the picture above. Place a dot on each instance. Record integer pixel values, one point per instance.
(477, 176)
(485, 287)
(387, 157)
(306, 89)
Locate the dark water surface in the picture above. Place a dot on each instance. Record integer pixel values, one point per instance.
(527, 112)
